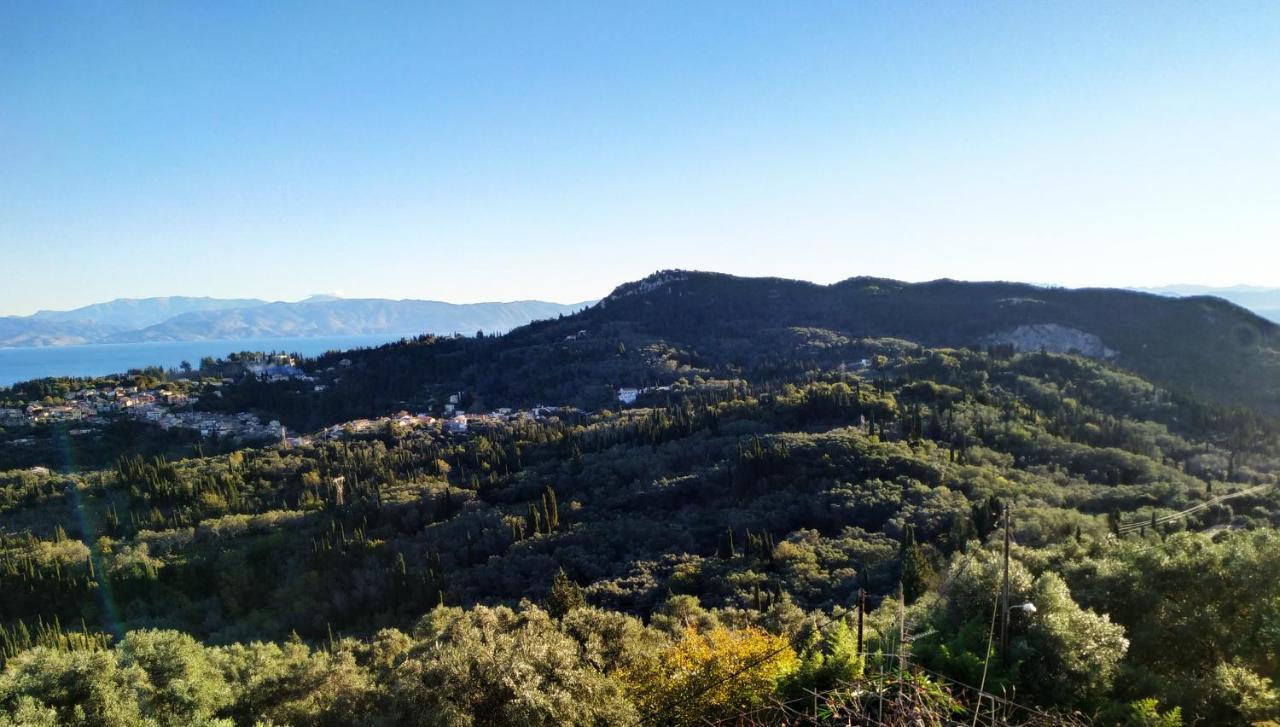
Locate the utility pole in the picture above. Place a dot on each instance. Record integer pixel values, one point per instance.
(1004, 596)
(862, 609)
(902, 631)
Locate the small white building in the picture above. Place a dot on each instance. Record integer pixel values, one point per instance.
(628, 395)
(457, 424)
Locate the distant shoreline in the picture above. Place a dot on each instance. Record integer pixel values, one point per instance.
(100, 359)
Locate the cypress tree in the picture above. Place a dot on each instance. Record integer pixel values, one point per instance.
(551, 508)
(535, 519)
(727, 551)
(565, 595)
(916, 571)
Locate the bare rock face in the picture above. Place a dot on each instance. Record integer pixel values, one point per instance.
(1053, 338)
(658, 280)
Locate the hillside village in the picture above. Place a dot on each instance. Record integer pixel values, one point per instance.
(165, 406)
(171, 405)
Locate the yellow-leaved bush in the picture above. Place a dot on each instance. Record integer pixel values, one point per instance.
(711, 674)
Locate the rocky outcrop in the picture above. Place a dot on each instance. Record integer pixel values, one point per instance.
(1053, 338)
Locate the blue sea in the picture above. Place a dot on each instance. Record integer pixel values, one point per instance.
(24, 364)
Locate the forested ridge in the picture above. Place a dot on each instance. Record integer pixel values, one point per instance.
(701, 555)
(679, 323)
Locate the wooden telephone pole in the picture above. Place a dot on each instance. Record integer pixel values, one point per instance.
(862, 609)
(902, 631)
(1004, 595)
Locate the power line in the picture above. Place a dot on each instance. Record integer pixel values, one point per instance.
(1127, 528)
(1121, 543)
(981, 693)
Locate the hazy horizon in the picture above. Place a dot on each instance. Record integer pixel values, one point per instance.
(266, 299)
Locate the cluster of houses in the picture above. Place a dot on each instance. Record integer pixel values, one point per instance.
(165, 407)
(212, 424)
(628, 395)
(92, 406)
(356, 427)
(455, 421)
(169, 406)
(278, 368)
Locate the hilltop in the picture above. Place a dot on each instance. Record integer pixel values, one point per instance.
(1201, 345)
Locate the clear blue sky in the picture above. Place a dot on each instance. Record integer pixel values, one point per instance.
(549, 150)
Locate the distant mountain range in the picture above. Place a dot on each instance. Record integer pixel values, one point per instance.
(1263, 301)
(134, 313)
(181, 318)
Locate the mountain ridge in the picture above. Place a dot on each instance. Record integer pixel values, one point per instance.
(181, 318)
(347, 317)
(142, 312)
(685, 325)
(1207, 346)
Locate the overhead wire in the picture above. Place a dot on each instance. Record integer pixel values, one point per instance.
(1135, 526)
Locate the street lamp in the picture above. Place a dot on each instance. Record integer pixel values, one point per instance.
(1027, 608)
